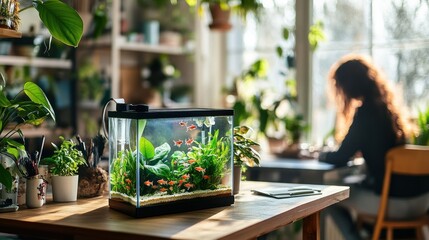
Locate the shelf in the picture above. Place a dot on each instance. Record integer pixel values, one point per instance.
(8, 33)
(33, 132)
(142, 47)
(35, 62)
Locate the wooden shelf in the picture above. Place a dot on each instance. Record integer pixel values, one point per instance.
(142, 47)
(33, 132)
(35, 62)
(8, 33)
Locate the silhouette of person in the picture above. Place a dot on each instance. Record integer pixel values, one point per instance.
(373, 124)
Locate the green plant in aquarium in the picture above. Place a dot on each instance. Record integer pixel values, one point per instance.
(210, 160)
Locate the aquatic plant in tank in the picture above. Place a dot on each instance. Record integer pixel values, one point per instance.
(167, 157)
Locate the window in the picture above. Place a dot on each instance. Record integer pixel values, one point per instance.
(394, 32)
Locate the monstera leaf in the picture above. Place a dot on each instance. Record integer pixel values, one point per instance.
(62, 21)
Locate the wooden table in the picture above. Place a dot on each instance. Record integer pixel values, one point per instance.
(250, 216)
(308, 171)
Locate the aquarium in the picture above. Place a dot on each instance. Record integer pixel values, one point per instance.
(169, 160)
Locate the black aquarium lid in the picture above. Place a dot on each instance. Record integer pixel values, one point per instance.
(171, 113)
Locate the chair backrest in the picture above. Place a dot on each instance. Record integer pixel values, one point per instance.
(404, 160)
(408, 160)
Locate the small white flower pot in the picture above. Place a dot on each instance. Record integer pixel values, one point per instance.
(64, 188)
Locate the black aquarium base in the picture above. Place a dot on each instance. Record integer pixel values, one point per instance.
(171, 207)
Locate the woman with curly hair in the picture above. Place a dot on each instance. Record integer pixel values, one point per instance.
(374, 123)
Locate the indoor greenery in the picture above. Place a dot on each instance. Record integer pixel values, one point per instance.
(66, 159)
(166, 169)
(244, 153)
(422, 137)
(62, 21)
(29, 106)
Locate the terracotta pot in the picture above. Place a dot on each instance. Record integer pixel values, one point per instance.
(220, 18)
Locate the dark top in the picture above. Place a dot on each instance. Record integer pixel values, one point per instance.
(372, 134)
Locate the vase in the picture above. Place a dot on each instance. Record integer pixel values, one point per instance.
(35, 193)
(236, 179)
(64, 188)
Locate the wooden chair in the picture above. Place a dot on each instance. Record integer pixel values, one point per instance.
(403, 160)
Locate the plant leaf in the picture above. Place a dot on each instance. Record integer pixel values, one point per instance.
(159, 169)
(36, 95)
(4, 102)
(62, 21)
(5, 177)
(161, 152)
(146, 148)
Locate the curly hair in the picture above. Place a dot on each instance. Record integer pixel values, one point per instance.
(355, 78)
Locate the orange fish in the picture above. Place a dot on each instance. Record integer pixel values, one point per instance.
(191, 161)
(188, 185)
(171, 183)
(148, 183)
(180, 182)
(182, 123)
(200, 169)
(189, 141)
(162, 181)
(186, 176)
(192, 127)
(163, 189)
(127, 187)
(178, 143)
(154, 186)
(206, 177)
(128, 181)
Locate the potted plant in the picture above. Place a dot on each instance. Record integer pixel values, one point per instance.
(92, 178)
(62, 21)
(220, 11)
(29, 107)
(244, 154)
(64, 165)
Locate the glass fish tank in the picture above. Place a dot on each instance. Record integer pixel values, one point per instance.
(169, 160)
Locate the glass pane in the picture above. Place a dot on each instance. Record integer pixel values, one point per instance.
(255, 39)
(339, 25)
(344, 35)
(409, 70)
(399, 20)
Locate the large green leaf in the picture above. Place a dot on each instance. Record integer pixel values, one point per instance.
(62, 21)
(160, 169)
(146, 148)
(5, 177)
(38, 96)
(161, 152)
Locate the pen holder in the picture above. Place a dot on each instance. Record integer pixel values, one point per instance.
(35, 192)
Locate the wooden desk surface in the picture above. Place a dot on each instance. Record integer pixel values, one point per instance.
(249, 217)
